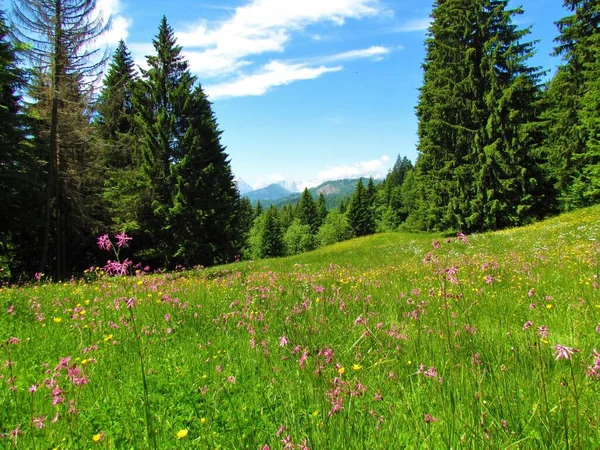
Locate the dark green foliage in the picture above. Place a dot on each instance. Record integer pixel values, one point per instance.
(287, 214)
(335, 229)
(298, 238)
(572, 99)
(271, 236)
(20, 169)
(60, 37)
(360, 212)
(396, 176)
(258, 209)
(477, 167)
(245, 218)
(119, 163)
(306, 211)
(194, 201)
(321, 209)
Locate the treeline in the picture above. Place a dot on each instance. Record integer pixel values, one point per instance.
(497, 147)
(308, 224)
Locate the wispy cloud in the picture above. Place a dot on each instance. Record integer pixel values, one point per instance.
(225, 52)
(376, 168)
(415, 25)
(120, 24)
(375, 52)
(275, 73)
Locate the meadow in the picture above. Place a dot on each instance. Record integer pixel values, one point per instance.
(389, 341)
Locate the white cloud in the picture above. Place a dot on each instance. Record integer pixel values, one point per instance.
(264, 181)
(276, 73)
(119, 28)
(376, 168)
(416, 25)
(227, 48)
(265, 26)
(375, 52)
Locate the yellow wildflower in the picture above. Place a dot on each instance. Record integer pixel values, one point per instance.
(341, 370)
(182, 433)
(356, 367)
(57, 320)
(97, 437)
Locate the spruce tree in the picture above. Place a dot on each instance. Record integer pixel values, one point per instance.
(321, 210)
(271, 238)
(360, 213)
(60, 36)
(572, 113)
(21, 185)
(306, 211)
(477, 165)
(117, 142)
(194, 201)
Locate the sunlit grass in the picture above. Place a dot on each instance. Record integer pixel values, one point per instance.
(390, 342)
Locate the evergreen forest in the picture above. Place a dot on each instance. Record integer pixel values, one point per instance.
(138, 155)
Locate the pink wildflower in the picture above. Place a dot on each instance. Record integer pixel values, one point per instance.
(104, 242)
(527, 325)
(283, 341)
(543, 331)
(13, 341)
(462, 238)
(562, 352)
(122, 240)
(39, 422)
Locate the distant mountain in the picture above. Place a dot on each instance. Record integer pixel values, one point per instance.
(242, 186)
(334, 192)
(268, 194)
(289, 185)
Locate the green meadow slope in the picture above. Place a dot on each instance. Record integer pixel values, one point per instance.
(389, 341)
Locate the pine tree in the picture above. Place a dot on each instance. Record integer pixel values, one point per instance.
(306, 211)
(321, 210)
(245, 222)
(572, 98)
(509, 187)
(117, 141)
(396, 176)
(21, 185)
(194, 200)
(360, 213)
(477, 168)
(258, 209)
(60, 36)
(271, 238)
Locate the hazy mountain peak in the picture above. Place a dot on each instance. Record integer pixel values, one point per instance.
(242, 186)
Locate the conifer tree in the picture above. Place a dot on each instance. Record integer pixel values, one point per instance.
(477, 166)
(271, 238)
(21, 185)
(360, 212)
(321, 210)
(194, 200)
(572, 113)
(115, 124)
(258, 209)
(306, 211)
(60, 36)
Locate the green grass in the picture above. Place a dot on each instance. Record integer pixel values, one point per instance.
(361, 318)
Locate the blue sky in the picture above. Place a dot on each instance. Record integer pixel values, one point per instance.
(308, 90)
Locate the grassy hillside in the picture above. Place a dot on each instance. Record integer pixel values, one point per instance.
(380, 342)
